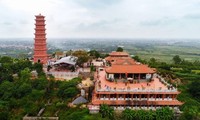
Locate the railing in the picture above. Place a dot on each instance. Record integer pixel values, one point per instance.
(140, 99)
(126, 80)
(163, 80)
(135, 90)
(64, 75)
(142, 107)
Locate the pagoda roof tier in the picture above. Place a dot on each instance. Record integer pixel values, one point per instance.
(40, 44)
(137, 68)
(38, 49)
(39, 15)
(41, 55)
(39, 33)
(40, 24)
(40, 38)
(40, 18)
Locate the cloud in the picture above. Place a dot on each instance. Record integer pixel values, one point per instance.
(192, 16)
(102, 18)
(97, 4)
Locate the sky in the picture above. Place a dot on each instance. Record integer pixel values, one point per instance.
(102, 18)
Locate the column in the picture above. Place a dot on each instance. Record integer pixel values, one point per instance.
(98, 96)
(173, 96)
(140, 96)
(148, 96)
(163, 96)
(139, 76)
(131, 96)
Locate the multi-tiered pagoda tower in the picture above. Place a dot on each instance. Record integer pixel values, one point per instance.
(40, 49)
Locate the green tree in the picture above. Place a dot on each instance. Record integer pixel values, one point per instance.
(151, 115)
(194, 89)
(4, 115)
(94, 53)
(82, 56)
(120, 49)
(106, 111)
(68, 89)
(164, 114)
(70, 92)
(128, 114)
(177, 59)
(37, 95)
(6, 90)
(23, 90)
(25, 75)
(39, 68)
(6, 59)
(40, 83)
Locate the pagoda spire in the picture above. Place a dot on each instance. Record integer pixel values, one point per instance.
(40, 49)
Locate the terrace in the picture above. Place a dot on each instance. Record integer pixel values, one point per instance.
(157, 84)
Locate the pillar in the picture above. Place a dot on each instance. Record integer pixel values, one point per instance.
(140, 96)
(163, 96)
(131, 96)
(139, 76)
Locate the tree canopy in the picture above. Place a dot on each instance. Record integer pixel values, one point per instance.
(177, 59)
(82, 56)
(120, 49)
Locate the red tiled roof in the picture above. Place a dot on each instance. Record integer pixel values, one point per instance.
(118, 54)
(129, 69)
(127, 61)
(110, 58)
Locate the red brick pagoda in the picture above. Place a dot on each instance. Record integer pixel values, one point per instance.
(40, 49)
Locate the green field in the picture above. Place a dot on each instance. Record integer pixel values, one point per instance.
(165, 53)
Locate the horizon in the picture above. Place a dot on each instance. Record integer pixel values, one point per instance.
(98, 38)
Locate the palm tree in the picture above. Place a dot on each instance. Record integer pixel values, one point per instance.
(111, 113)
(159, 114)
(127, 114)
(106, 111)
(151, 115)
(167, 113)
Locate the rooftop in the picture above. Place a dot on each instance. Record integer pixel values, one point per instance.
(68, 60)
(125, 61)
(114, 53)
(104, 85)
(126, 68)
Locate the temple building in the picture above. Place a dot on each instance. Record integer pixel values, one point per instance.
(116, 55)
(126, 83)
(66, 63)
(40, 49)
